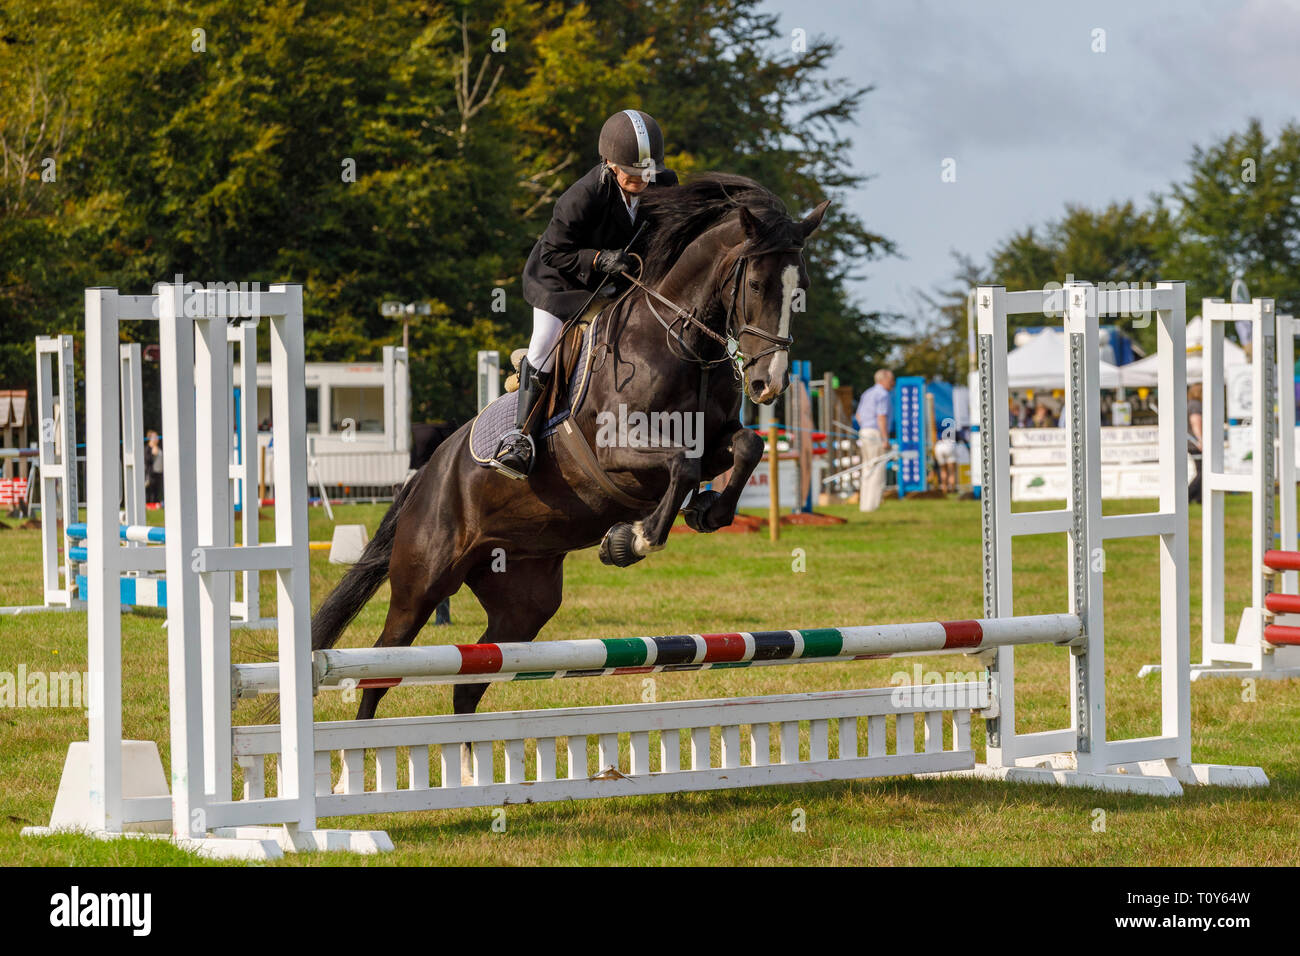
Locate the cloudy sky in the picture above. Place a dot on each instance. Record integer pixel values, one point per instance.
(1013, 92)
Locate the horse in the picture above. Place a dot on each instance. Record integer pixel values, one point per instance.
(722, 275)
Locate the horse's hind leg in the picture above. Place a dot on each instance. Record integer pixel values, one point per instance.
(519, 601)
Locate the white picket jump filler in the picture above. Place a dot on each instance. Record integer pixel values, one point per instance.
(58, 470)
(483, 759)
(1251, 654)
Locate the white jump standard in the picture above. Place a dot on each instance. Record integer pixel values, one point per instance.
(1265, 644)
(1083, 754)
(56, 440)
(65, 582)
(201, 562)
(421, 763)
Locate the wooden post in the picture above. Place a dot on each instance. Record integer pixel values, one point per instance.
(773, 484)
(261, 476)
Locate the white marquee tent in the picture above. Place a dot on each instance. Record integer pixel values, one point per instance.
(1040, 364)
(1144, 372)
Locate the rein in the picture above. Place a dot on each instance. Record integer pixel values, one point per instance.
(734, 329)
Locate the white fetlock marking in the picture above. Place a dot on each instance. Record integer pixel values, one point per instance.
(640, 543)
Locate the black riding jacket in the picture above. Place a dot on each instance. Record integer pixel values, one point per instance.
(590, 217)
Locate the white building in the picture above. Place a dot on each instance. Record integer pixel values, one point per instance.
(358, 421)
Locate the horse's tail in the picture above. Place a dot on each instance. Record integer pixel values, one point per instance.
(361, 581)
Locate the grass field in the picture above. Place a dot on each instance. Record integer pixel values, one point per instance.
(911, 561)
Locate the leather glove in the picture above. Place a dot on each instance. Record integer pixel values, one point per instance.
(612, 261)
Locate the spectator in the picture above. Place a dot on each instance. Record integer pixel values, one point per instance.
(1024, 415)
(153, 468)
(945, 459)
(1195, 425)
(874, 411)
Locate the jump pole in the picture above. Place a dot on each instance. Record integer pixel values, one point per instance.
(474, 663)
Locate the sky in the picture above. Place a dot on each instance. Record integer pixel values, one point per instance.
(1034, 119)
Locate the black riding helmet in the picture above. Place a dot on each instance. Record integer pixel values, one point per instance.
(633, 141)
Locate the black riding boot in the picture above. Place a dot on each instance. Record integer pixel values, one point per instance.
(516, 452)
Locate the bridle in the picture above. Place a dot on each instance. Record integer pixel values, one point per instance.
(735, 327)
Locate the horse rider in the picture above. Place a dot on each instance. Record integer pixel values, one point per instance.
(592, 224)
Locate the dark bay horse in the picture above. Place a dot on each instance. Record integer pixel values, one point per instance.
(723, 273)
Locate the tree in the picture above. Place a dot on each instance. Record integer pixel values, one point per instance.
(1239, 215)
(941, 349)
(409, 150)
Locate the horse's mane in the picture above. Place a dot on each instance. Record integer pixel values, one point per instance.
(678, 215)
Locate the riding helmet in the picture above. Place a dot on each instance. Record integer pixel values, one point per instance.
(632, 138)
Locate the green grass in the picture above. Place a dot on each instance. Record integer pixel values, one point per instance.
(910, 561)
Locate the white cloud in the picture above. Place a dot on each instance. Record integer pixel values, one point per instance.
(1034, 117)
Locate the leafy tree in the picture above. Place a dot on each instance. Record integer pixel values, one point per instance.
(1119, 244)
(409, 150)
(941, 346)
(1239, 215)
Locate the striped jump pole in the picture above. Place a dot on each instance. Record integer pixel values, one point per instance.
(139, 533)
(476, 663)
(133, 591)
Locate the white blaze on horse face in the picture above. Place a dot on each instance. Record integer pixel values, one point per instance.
(779, 363)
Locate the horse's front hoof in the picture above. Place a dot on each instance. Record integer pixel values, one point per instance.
(618, 548)
(694, 513)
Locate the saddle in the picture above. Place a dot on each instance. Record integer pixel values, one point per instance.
(563, 396)
(578, 356)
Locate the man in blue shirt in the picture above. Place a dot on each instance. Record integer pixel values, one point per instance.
(872, 418)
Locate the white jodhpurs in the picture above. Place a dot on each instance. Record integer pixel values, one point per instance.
(546, 329)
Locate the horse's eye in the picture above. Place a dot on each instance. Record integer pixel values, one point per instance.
(755, 285)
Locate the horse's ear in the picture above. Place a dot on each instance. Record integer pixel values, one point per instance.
(749, 222)
(814, 219)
